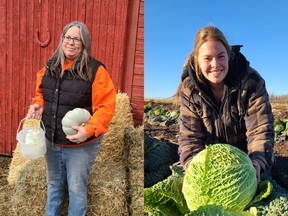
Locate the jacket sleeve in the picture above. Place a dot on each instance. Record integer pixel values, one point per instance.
(38, 99)
(191, 135)
(259, 123)
(103, 103)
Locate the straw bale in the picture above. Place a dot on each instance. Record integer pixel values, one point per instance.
(4, 199)
(112, 148)
(106, 190)
(134, 140)
(31, 123)
(18, 162)
(30, 188)
(4, 187)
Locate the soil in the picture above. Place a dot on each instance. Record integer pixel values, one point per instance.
(169, 133)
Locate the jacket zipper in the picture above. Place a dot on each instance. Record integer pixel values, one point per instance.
(220, 124)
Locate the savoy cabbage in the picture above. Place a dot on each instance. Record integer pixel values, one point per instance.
(221, 174)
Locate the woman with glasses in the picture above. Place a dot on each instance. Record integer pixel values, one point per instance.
(72, 79)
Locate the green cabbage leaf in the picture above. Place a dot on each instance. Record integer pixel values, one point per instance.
(210, 210)
(220, 175)
(279, 126)
(165, 197)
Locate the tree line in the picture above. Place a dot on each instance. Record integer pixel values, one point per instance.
(278, 98)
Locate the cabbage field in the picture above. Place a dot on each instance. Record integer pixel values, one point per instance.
(163, 175)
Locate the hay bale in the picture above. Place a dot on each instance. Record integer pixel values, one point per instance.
(134, 140)
(4, 186)
(30, 188)
(31, 123)
(107, 189)
(106, 192)
(18, 162)
(112, 148)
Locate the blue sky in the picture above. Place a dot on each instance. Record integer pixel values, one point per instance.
(170, 27)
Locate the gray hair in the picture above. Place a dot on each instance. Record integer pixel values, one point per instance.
(83, 69)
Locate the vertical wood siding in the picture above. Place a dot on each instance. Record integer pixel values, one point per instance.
(30, 33)
(135, 54)
(138, 75)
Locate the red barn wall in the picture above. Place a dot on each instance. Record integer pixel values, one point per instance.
(135, 54)
(30, 32)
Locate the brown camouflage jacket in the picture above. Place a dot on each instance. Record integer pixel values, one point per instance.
(243, 119)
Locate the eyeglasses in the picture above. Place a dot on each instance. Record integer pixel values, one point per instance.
(67, 39)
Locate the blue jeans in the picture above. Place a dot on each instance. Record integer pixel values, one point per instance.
(69, 166)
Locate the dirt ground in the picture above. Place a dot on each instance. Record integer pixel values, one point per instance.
(169, 134)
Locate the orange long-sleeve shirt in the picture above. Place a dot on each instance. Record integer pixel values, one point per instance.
(103, 100)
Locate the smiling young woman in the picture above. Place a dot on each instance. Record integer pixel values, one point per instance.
(213, 63)
(223, 100)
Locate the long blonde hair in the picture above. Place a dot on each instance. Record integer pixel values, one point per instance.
(207, 33)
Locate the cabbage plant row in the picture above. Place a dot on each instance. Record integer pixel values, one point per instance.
(160, 116)
(164, 117)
